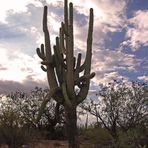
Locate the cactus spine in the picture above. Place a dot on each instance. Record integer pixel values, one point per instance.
(63, 69)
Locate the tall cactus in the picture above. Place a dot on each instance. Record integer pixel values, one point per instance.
(63, 69)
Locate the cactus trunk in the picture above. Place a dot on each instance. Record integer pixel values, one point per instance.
(63, 69)
(71, 127)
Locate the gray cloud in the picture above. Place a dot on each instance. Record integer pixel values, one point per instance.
(22, 29)
(137, 31)
(108, 64)
(11, 86)
(144, 78)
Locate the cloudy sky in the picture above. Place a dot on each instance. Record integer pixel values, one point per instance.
(120, 44)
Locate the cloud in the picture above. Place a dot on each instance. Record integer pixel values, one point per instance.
(27, 25)
(144, 78)
(114, 14)
(108, 64)
(109, 16)
(109, 60)
(16, 6)
(8, 86)
(109, 77)
(137, 30)
(18, 67)
(22, 32)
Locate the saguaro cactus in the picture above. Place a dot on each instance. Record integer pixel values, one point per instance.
(63, 69)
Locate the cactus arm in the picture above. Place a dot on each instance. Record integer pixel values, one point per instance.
(41, 53)
(78, 61)
(89, 44)
(46, 34)
(83, 79)
(87, 64)
(44, 103)
(77, 69)
(66, 13)
(42, 108)
(59, 56)
(65, 24)
(58, 66)
(43, 68)
(67, 101)
(70, 55)
(62, 47)
(59, 53)
(65, 31)
(50, 70)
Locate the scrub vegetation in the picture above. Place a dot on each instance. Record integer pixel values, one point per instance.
(120, 111)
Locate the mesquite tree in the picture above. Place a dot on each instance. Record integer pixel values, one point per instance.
(64, 71)
(120, 106)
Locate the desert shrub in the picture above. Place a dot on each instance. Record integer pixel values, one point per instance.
(19, 120)
(13, 136)
(60, 133)
(97, 136)
(135, 138)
